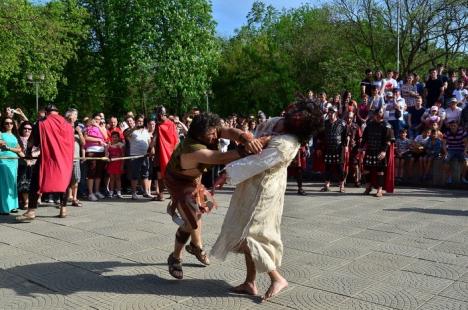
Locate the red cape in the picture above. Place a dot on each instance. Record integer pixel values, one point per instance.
(389, 185)
(167, 142)
(57, 144)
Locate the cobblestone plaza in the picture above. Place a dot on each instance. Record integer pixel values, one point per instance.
(342, 251)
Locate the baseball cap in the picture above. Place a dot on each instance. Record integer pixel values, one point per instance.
(332, 108)
(389, 94)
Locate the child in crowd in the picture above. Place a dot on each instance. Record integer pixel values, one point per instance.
(115, 168)
(432, 117)
(403, 152)
(433, 151)
(418, 148)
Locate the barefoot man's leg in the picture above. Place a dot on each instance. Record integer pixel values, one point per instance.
(278, 283)
(248, 287)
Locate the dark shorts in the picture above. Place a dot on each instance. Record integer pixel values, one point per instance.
(139, 168)
(455, 156)
(95, 167)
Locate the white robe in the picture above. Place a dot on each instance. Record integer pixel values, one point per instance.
(256, 207)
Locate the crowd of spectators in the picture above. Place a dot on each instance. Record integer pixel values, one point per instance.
(429, 120)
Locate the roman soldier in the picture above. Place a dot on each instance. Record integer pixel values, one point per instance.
(377, 144)
(336, 145)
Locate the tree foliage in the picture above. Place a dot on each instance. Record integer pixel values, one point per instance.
(144, 53)
(117, 55)
(37, 40)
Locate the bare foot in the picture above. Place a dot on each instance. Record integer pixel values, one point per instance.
(246, 288)
(275, 287)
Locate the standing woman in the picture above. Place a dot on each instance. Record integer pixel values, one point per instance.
(9, 147)
(25, 166)
(378, 81)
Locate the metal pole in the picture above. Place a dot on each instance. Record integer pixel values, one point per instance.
(207, 103)
(398, 36)
(37, 97)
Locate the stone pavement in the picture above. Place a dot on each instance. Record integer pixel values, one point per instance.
(406, 251)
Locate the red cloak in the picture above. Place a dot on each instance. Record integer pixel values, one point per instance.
(57, 146)
(389, 185)
(167, 142)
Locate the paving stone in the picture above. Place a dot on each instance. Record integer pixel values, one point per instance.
(356, 304)
(458, 290)
(375, 235)
(340, 252)
(394, 297)
(438, 270)
(321, 261)
(428, 284)
(452, 247)
(366, 270)
(438, 303)
(416, 242)
(343, 284)
(308, 298)
(392, 260)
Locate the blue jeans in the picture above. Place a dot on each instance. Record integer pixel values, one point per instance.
(396, 127)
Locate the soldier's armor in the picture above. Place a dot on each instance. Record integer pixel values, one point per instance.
(376, 137)
(335, 136)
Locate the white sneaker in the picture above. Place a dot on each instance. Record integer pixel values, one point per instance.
(135, 196)
(99, 195)
(119, 195)
(146, 195)
(92, 197)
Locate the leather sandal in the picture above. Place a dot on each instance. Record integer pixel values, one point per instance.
(199, 253)
(175, 267)
(158, 197)
(76, 203)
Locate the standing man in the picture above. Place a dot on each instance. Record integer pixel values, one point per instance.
(165, 139)
(434, 89)
(139, 141)
(188, 162)
(53, 170)
(377, 139)
(253, 220)
(352, 160)
(336, 145)
(366, 84)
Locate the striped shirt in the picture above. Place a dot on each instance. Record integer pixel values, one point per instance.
(455, 140)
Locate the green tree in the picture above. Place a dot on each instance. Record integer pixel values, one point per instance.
(143, 53)
(37, 39)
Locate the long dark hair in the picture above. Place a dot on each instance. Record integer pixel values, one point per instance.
(14, 130)
(201, 123)
(303, 119)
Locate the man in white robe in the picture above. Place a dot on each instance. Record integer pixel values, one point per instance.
(252, 223)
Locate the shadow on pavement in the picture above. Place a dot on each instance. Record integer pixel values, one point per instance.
(433, 211)
(69, 277)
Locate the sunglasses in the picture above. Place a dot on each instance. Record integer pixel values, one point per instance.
(8, 123)
(27, 128)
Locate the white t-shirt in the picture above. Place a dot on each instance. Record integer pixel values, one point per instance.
(139, 142)
(389, 84)
(460, 94)
(452, 115)
(402, 103)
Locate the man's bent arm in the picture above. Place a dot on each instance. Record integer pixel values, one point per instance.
(211, 157)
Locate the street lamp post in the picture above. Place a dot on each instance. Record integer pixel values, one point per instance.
(36, 80)
(398, 35)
